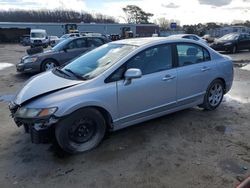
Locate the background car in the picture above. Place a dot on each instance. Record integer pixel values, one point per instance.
(53, 40)
(66, 36)
(25, 40)
(120, 84)
(38, 37)
(232, 42)
(189, 36)
(60, 54)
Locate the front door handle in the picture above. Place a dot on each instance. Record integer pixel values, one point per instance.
(168, 77)
(204, 69)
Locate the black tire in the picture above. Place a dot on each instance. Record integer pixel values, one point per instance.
(48, 63)
(234, 49)
(34, 50)
(212, 101)
(70, 132)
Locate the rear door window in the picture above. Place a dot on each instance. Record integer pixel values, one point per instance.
(189, 54)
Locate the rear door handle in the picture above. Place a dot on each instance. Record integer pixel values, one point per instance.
(204, 69)
(168, 77)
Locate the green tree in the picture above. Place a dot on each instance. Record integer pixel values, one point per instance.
(135, 14)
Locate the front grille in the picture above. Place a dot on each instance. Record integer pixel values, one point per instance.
(37, 41)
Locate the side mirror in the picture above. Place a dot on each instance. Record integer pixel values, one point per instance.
(65, 49)
(132, 74)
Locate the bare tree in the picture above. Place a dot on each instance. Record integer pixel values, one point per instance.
(67, 16)
(163, 23)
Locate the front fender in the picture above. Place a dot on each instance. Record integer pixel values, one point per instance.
(76, 106)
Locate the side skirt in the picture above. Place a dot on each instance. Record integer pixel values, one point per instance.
(145, 116)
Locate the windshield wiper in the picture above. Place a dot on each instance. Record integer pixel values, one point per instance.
(75, 74)
(62, 72)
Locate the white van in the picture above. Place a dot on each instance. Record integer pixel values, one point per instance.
(38, 37)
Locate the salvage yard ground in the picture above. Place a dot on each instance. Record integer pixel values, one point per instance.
(192, 148)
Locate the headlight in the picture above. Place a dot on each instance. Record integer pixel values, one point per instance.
(35, 112)
(30, 60)
(228, 44)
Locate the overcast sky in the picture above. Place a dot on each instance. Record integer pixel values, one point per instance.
(187, 11)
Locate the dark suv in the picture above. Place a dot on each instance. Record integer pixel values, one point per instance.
(232, 42)
(62, 53)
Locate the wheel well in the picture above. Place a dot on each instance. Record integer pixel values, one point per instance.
(47, 60)
(224, 83)
(106, 115)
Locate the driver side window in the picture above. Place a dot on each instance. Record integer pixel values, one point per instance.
(71, 45)
(149, 61)
(152, 60)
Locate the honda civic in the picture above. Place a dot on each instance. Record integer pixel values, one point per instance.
(117, 85)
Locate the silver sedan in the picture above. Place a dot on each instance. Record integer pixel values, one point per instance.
(117, 85)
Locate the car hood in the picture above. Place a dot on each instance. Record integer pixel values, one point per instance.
(47, 52)
(44, 53)
(41, 84)
(31, 38)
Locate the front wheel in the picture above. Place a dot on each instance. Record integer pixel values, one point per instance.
(234, 49)
(81, 131)
(48, 64)
(214, 95)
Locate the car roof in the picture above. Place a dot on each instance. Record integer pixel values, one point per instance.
(37, 30)
(182, 35)
(150, 40)
(140, 41)
(244, 33)
(83, 37)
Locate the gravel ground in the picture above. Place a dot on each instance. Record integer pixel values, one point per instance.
(191, 148)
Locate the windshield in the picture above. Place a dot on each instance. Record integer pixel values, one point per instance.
(61, 45)
(37, 35)
(53, 37)
(230, 37)
(97, 61)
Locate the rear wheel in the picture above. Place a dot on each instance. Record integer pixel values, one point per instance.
(81, 131)
(214, 95)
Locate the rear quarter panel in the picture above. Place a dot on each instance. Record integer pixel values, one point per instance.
(225, 70)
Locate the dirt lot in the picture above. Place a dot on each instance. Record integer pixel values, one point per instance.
(191, 148)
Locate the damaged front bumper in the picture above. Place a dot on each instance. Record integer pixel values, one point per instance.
(41, 130)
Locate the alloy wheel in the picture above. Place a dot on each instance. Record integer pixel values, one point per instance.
(49, 66)
(215, 94)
